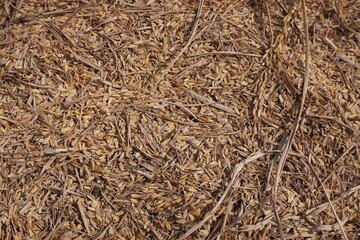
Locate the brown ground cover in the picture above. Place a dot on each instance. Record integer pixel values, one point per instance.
(179, 119)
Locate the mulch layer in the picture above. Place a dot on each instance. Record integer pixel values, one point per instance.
(179, 119)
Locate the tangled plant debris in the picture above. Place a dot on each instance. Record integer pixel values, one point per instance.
(179, 119)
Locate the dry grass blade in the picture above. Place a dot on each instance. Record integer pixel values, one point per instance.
(33, 154)
(83, 216)
(333, 119)
(193, 32)
(167, 102)
(341, 224)
(234, 176)
(15, 79)
(102, 234)
(258, 225)
(275, 159)
(319, 208)
(332, 227)
(296, 124)
(56, 31)
(226, 53)
(85, 61)
(47, 165)
(211, 102)
(339, 55)
(77, 10)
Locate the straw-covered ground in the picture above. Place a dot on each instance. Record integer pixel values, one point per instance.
(179, 119)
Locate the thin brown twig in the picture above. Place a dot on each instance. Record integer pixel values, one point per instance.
(213, 103)
(340, 55)
(338, 159)
(327, 197)
(296, 124)
(196, 23)
(166, 102)
(226, 53)
(14, 79)
(77, 10)
(236, 172)
(332, 119)
(321, 207)
(83, 216)
(56, 31)
(85, 61)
